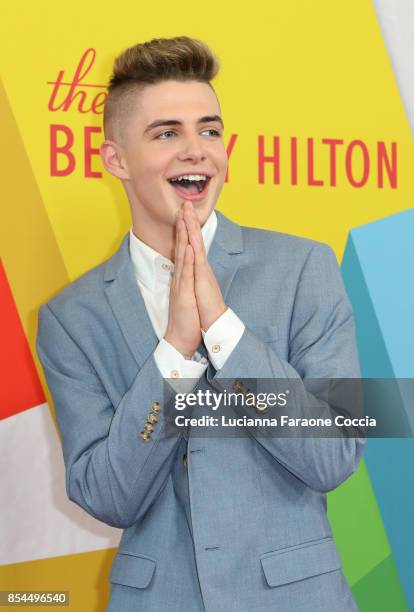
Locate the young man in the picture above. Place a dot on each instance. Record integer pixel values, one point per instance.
(216, 524)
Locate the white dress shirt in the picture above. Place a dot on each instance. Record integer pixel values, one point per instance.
(154, 273)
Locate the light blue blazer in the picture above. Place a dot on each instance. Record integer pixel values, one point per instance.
(216, 524)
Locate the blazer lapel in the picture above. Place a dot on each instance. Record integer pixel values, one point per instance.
(126, 300)
(128, 305)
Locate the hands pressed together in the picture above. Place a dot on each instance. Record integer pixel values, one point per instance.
(195, 296)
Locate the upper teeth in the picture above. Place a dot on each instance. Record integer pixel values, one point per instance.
(190, 177)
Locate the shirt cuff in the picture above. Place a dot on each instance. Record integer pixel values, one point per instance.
(183, 374)
(222, 337)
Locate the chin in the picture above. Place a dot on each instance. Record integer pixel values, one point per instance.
(203, 212)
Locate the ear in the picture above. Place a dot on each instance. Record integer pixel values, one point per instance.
(113, 159)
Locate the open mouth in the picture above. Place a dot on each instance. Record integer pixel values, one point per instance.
(190, 185)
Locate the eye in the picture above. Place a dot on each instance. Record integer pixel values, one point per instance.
(161, 136)
(215, 132)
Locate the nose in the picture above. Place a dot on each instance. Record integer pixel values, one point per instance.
(191, 149)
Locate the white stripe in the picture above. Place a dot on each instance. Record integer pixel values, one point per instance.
(37, 520)
(397, 22)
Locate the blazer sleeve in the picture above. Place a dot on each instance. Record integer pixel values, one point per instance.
(111, 472)
(322, 346)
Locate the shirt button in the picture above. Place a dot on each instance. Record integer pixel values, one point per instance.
(216, 348)
(175, 374)
(165, 266)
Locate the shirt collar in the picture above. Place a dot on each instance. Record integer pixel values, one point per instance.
(152, 268)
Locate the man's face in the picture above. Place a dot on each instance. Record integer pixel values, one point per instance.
(190, 142)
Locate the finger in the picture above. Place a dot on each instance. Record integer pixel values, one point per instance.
(195, 236)
(176, 238)
(177, 241)
(187, 276)
(178, 252)
(184, 267)
(187, 273)
(181, 243)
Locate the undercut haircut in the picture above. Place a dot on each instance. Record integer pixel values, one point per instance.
(160, 59)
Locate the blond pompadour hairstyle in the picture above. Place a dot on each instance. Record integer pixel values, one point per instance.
(160, 59)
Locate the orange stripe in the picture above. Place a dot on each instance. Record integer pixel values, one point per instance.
(20, 388)
(30, 253)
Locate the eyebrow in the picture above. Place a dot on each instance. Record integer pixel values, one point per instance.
(160, 122)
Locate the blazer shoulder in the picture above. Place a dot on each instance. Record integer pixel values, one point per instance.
(282, 245)
(86, 290)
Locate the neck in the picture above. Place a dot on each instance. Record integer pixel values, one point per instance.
(161, 238)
